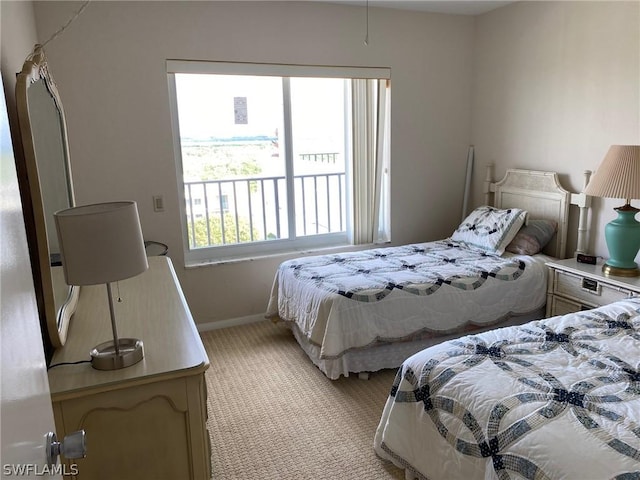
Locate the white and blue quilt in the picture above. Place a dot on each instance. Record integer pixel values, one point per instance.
(356, 300)
(550, 399)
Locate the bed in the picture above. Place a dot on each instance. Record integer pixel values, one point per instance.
(364, 311)
(552, 398)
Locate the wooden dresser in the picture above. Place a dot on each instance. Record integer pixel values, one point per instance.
(146, 421)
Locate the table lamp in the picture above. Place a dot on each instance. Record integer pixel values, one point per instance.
(102, 243)
(619, 177)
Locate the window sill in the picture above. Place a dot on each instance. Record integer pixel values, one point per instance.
(282, 256)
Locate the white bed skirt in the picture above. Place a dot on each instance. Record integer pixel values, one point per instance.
(380, 357)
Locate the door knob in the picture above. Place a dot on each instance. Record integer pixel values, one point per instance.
(72, 446)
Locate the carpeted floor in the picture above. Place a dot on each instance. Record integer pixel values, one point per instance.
(274, 415)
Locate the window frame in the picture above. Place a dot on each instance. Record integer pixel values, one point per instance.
(263, 247)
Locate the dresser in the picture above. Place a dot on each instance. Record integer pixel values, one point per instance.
(577, 286)
(146, 421)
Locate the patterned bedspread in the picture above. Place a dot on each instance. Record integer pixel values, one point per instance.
(554, 398)
(359, 299)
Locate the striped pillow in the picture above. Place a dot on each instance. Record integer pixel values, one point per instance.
(532, 238)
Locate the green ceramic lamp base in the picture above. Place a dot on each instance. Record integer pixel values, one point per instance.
(623, 241)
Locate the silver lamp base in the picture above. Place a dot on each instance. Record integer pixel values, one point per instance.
(104, 356)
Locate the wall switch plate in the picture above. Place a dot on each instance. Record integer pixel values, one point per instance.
(158, 203)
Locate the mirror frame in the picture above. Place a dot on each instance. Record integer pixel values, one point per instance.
(45, 277)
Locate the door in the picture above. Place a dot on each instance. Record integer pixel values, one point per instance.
(26, 415)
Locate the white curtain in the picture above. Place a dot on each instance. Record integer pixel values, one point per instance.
(371, 161)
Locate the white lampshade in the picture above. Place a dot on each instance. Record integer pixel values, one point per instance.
(101, 243)
(618, 175)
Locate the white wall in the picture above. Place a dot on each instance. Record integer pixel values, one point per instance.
(555, 84)
(110, 69)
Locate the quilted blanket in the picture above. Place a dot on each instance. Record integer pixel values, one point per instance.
(557, 398)
(359, 299)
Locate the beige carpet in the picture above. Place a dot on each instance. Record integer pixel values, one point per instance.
(274, 415)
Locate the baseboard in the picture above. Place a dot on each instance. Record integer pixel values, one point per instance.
(231, 322)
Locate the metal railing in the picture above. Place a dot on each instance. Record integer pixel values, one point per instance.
(320, 157)
(250, 209)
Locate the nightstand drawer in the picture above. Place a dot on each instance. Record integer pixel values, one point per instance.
(562, 306)
(586, 290)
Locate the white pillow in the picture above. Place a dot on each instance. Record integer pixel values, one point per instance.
(490, 229)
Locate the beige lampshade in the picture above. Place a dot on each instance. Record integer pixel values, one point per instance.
(101, 243)
(619, 174)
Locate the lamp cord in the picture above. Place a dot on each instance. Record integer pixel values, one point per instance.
(67, 363)
(114, 332)
(366, 37)
(66, 25)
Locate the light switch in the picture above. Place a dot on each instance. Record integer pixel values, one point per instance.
(158, 203)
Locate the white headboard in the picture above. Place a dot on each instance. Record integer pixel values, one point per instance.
(541, 194)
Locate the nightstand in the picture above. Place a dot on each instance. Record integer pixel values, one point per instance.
(577, 286)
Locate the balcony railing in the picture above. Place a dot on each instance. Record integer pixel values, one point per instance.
(320, 157)
(251, 209)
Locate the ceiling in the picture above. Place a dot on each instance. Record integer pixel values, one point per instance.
(459, 7)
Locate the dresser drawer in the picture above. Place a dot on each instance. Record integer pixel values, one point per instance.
(586, 290)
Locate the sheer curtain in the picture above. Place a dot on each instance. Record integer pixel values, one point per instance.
(371, 161)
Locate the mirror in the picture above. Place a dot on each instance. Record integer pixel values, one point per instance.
(46, 187)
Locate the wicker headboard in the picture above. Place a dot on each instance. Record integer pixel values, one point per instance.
(541, 194)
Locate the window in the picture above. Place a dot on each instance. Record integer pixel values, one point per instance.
(276, 158)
